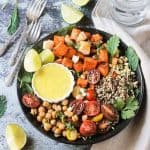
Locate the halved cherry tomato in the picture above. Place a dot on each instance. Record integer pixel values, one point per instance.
(77, 106)
(93, 76)
(88, 128)
(90, 95)
(92, 108)
(30, 101)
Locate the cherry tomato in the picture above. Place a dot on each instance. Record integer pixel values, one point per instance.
(93, 76)
(104, 126)
(92, 108)
(30, 101)
(78, 106)
(90, 94)
(88, 128)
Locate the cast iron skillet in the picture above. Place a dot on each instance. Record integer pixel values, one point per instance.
(99, 137)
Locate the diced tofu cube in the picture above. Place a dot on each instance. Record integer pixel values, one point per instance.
(82, 37)
(49, 44)
(85, 47)
(67, 62)
(68, 40)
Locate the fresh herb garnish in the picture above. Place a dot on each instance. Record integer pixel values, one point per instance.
(119, 104)
(14, 20)
(112, 45)
(3, 105)
(61, 116)
(69, 126)
(132, 58)
(130, 108)
(66, 30)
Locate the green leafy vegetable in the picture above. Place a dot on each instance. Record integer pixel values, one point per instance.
(69, 126)
(130, 108)
(61, 116)
(113, 44)
(3, 105)
(119, 104)
(132, 58)
(14, 20)
(66, 30)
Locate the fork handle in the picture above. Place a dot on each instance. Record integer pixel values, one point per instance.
(4, 48)
(18, 47)
(11, 76)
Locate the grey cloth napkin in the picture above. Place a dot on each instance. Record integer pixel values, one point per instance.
(136, 136)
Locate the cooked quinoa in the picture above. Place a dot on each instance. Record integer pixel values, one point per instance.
(121, 86)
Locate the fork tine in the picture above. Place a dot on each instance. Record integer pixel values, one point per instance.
(42, 8)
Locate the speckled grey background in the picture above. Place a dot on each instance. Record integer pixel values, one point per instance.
(51, 20)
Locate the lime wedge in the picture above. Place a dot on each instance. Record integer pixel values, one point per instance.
(80, 2)
(70, 14)
(47, 56)
(16, 136)
(32, 61)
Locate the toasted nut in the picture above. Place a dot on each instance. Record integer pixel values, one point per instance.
(33, 111)
(39, 118)
(45, 104)
(41, 109)
(65, 102)
(53, 122)
(84, 117)
(64, 108)
(42, 114)
(75, 118)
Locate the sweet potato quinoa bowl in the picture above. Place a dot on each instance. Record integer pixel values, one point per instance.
(88, 92)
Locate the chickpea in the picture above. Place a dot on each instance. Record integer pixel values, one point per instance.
(45, 104)
(48, 115)
(65, 102)
(50, 106)
(57, 135)
(33, 111)
(41, 109)
(39, 118)
(58, 108)
(42, 114)
(47, 126)
(53, 122)
(53, 129)
(75, 118)
(53, 114)
(68, 113)
(64, 108)
(60, 125)
(57, 131)
(50, 111)
(54, 106)
(64, 133)
(84, 117)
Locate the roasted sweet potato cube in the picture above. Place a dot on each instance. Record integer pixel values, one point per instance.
(60, 50)
(71, 52)
(89, 64)
(58, 39)
(96, 38)
(82, 82)
(67, 62)
(103, 69)
(103, 56)
(78, 67)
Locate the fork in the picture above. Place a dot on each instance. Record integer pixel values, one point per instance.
(32, 35)
(34, 11)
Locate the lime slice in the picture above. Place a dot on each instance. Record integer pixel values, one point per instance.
(32, 61)
(16, 136)
(71, 15)
(80, 2)
(53, 82)
(47, 56)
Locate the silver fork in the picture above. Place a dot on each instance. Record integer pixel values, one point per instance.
(34, 11)
(32, 35)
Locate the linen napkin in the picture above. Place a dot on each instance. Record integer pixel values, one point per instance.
(136, 136)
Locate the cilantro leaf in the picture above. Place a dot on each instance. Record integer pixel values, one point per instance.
(113, 44)
(14, 21)
(132, 58)
(119, 104)
(130, 108)
(69, 126)
(61, 116)
(127, 114)
(3, 105)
